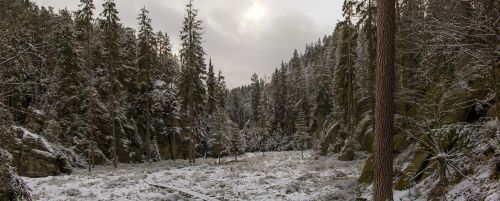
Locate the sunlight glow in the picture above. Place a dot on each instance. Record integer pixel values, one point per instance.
(256, 12)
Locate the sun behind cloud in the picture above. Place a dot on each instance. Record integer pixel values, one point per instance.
(253, 18)
(256, 12)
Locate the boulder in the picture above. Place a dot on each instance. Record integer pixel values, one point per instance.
(347, 155)
(413, 171)
(455, 102)
(329, 139)
(367, 173)
(33, 155)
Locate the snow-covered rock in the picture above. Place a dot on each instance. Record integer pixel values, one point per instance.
(33, 155)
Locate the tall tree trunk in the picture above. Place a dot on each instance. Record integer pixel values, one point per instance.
(384, 101)
(494, 82)
(91, 102)
(371, 56)
(113, 118)
(148, 131)
(172, 146)
(21, 153)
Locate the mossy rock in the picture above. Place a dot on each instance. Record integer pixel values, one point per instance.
(455, 102)
(328, 140)
(367, 141)
(400, 142)
(418, 163)
(363, 132)
(347, 155)
(367, 173)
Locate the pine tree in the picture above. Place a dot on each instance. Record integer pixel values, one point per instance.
(235, 141)
(166, 60)
(110, 27)
(192, 90)
(84, 18)
(218, 139)
(298, 93)
(344, 74)
(263, 129)
(221, 91)
(281, 110)
(70, 76)
(146, 63)
(301, 134)
(211, 88)
(256, 97)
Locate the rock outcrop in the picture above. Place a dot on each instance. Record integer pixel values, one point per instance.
(34, 156)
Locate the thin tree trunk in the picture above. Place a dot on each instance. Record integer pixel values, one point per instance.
(89, 156)
(384, 101)
(497, 92)
(371, 55)
(113, 118)
(19, 165)
(91, 102)
(148, 132)
(191, 145)
(172, 146)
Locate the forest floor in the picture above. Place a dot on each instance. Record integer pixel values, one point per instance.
(275, 176)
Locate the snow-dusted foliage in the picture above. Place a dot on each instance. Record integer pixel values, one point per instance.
(12, 186)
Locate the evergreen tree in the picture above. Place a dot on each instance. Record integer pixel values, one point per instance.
(146, 64)
(192, 90)
(344, 77)
(235, 146)
(70, 76)
(256, 97)
(281, 100)
(84, 25)
(211, 88)
(301, 134)
(221, 91)
(110, 40)
(168, 66)
(298, 93)
(219, 138)
(263, 129)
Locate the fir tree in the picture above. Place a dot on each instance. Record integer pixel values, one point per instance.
(301, 134)
(146, 63)
(211, 88)
(166, 60)
(192, 90)
(256, 96)
(110, 40)
(218, 139)
(235, 141)
(84, 19)
(221, 91)
(70, 76)
(263, 129)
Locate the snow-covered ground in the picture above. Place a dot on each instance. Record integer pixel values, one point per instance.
(275, 176)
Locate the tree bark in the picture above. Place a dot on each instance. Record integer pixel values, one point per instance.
(384, 101)
(148, 127)
(113, 118)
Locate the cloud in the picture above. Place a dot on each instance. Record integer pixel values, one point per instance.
(241, 37)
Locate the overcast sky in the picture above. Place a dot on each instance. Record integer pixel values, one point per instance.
(241, 36)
